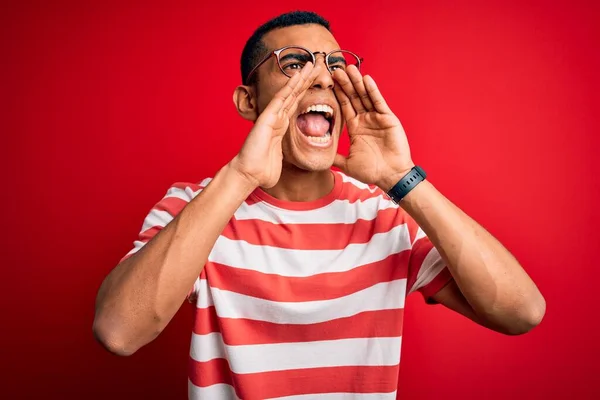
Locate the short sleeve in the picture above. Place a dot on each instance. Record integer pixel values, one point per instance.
(427, 271)
(163, 212)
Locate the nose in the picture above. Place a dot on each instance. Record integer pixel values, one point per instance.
(324, 80)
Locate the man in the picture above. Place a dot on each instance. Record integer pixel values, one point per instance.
(299, 273)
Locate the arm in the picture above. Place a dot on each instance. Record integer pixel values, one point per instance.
(489, 285)
(142, 294)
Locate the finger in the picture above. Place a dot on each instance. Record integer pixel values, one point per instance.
(348, 87)
(348, 111)
(376, 96)
(291, 103)
(340, 162)
(357, 80)
(290, 89)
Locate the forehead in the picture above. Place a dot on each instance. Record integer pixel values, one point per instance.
(312, 36)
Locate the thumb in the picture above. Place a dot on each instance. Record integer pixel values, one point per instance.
(340, 162)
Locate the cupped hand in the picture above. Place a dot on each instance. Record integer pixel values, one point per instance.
(379, 152)
(260, 159)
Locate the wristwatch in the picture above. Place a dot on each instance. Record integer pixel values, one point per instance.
(408, 182)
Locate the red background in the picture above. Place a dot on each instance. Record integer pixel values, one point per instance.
(105, 105)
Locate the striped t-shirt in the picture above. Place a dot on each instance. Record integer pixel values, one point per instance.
(302, 300)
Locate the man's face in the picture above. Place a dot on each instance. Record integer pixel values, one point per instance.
(311, 141)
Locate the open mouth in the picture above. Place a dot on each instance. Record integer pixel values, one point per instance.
(316, 123)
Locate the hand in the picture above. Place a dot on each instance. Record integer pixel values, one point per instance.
(379, 153)
(260, 158)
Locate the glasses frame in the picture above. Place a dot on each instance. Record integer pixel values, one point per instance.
(277, 52)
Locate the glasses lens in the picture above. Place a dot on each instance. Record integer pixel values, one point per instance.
(291, 60)
(342, 60)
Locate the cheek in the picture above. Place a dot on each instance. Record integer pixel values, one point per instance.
(267, 89)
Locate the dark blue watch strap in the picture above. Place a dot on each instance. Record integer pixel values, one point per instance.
(407, 183)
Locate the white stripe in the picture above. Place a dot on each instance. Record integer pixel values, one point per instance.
(340, 396)
(207, 347)
(219, 391)
(360, 185)
(162, 218)
(255, 358)
(382, 296)
(185, 195)
(205, 182)
(420, 234)
(137, 245)
(336, 212)
(299, 263)
(188, 193)
(156, 218)
(433, 264)
(204, 296)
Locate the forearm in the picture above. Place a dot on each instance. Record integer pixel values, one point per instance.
(489, 277)
(142, 294)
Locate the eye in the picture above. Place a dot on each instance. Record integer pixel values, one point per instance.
(295, 65)
(337, 66)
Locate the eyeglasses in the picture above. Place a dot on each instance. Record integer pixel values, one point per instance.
(291, 59)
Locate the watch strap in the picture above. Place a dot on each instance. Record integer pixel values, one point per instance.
(408, 182)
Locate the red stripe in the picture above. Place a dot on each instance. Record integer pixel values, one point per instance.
(353, 193)
(419, 251)
(312, 236)
(172, 205)
(241, 331)
(150, 233)
(437, 284)
(324, 286)
(206, 321)
(210, 372)
(353, 379)
(412, 226)
(252, 200)
(184, 185)
(341, 191)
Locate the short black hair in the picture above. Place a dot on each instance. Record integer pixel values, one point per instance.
(255, 49)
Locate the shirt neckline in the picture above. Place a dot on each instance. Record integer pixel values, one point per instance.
(260, 195)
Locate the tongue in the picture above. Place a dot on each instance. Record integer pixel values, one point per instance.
(313, 124)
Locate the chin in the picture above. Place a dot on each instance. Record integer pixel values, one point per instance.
(309, 157)
(313, 164)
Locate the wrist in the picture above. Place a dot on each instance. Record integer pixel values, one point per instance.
(391, 178)
(246, 183)
(407, 184)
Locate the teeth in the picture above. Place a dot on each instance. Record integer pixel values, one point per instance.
(320, 108)
(320, 139)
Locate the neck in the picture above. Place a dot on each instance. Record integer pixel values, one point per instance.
(299, 185)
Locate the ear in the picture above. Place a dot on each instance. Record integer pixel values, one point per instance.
(244, 98)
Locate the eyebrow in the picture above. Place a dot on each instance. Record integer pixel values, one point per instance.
(296, 56)
(334, 60)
